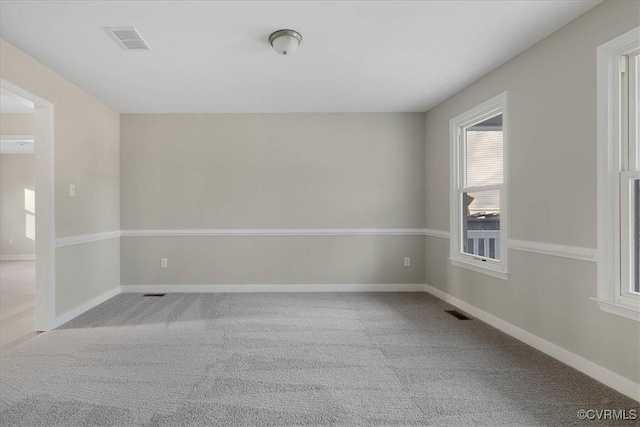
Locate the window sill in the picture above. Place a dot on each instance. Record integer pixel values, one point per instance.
(624, 310)
(480, 269)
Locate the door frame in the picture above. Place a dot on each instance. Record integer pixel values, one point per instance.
(45, 245)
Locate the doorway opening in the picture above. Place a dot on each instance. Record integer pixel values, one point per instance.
(27, 235)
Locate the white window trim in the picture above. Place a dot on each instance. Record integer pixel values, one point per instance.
(493, 268)
(609, 145)
(627, 271)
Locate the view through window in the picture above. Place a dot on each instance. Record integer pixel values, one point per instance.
(484, 171)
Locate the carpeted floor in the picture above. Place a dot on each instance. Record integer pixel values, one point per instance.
(288, 359)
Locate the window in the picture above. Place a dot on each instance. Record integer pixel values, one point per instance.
(619, 175)
(478, 188)
(30, 212)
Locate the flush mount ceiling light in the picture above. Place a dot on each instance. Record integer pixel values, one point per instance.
(285, 42)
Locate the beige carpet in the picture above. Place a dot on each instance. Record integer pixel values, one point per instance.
(344, 359)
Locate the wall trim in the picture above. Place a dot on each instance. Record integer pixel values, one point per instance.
(573, 252)
(564, 251)
(85, 238)
(437, 233)
(242, 288)
(93, 302)
(278, 232)
(595, 371)
(23, 257)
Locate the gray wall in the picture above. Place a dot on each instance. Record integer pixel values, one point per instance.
(85, 271)
(16, 175)
(552, 194)
(266, 171)
(16, 124)
(86, 149)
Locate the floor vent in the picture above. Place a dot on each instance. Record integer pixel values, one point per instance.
(153, 295)
(458, 315)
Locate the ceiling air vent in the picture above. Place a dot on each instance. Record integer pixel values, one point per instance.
(129, 38)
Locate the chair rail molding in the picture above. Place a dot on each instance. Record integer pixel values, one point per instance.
(277, 232)
(564, 251)
(443, 234)
(86, 238)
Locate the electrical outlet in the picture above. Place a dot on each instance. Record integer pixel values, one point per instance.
(163, 262)
(407, 261)
(72, 190)
(11, 241)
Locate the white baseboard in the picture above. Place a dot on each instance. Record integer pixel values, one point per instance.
(595, 371)
(71, 314)
(25, 257)
(405, 287)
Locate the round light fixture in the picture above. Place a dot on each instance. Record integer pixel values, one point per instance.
(285, 42)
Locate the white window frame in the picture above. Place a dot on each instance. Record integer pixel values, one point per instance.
(496, 105)
(627, 243)
(615, 173)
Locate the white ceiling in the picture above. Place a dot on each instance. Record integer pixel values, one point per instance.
(12, 104)
(17, 144)
(355, 56)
